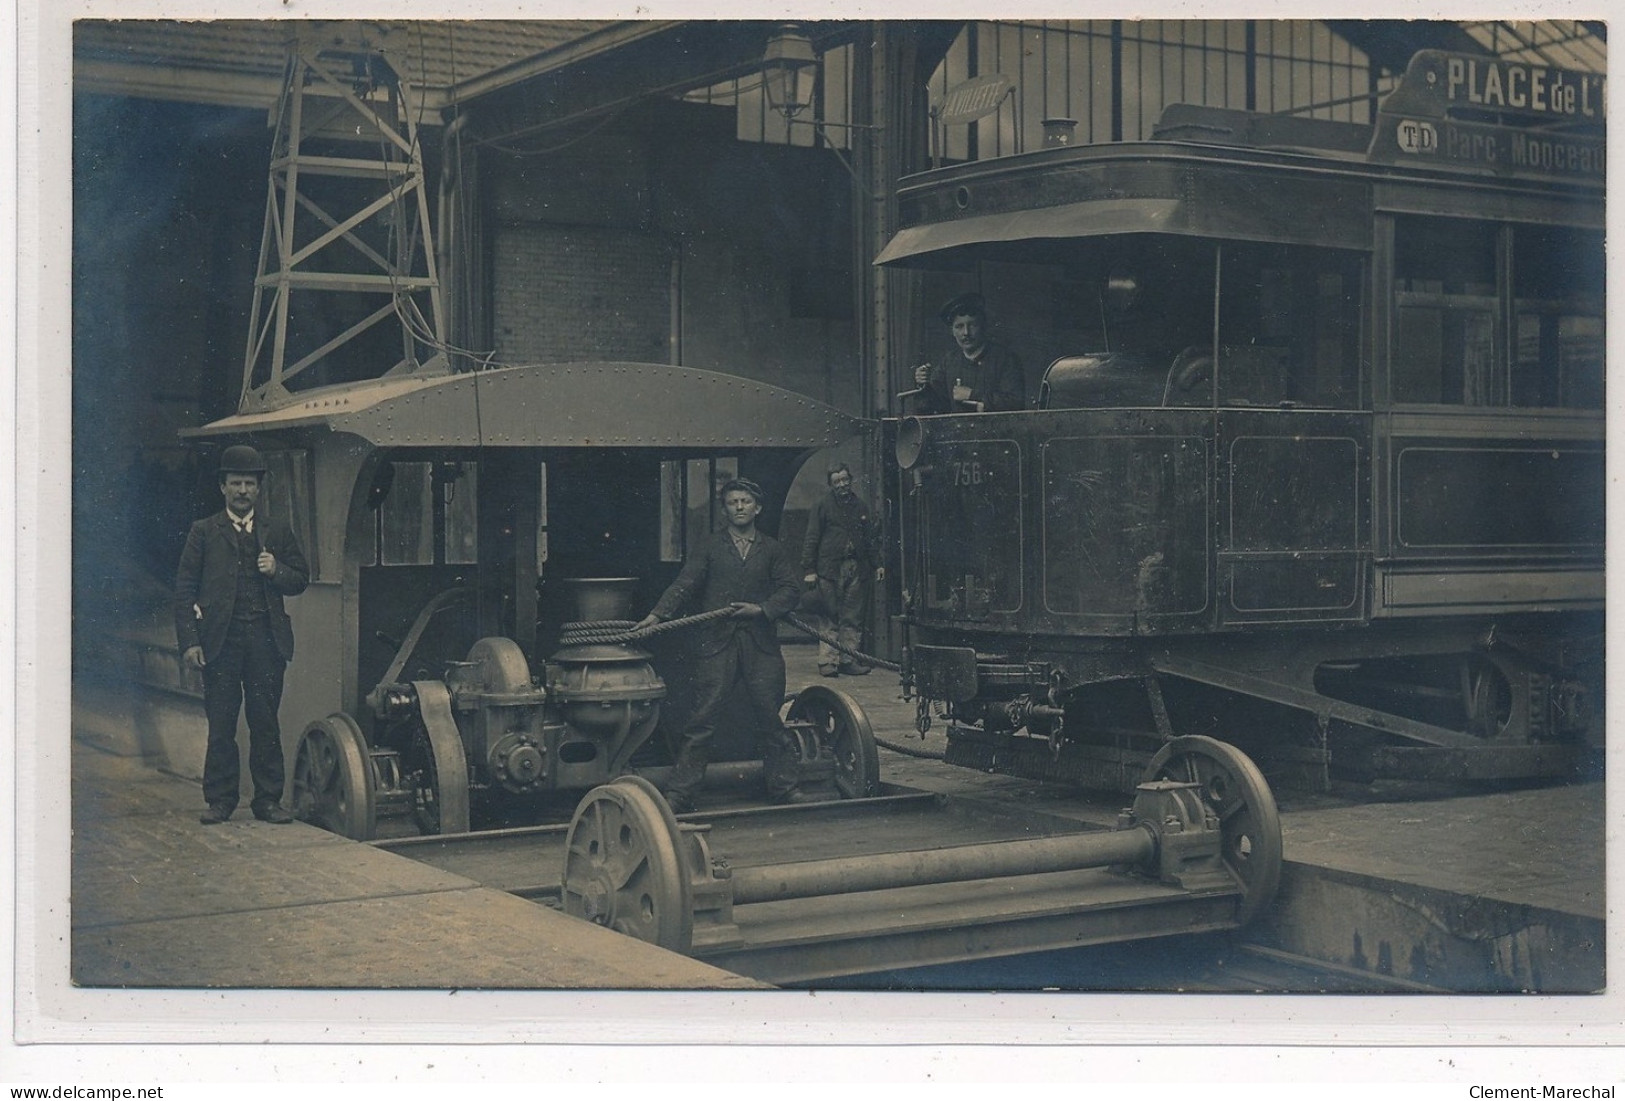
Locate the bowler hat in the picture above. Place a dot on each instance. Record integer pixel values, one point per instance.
(241, 459)
(968, 303)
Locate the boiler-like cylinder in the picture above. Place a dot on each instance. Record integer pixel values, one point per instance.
(606, 694)
(605, 691)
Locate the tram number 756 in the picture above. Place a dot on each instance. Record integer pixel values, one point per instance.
(969, 473)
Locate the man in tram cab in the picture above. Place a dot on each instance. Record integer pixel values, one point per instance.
(978, 374)
(235, 569)
(752, 573)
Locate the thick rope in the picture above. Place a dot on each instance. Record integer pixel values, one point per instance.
(910, 751)
(614, 631)
(829, 640)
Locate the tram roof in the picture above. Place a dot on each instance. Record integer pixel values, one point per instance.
(588, 404)
(1122, 188)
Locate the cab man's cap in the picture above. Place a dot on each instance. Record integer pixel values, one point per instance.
(746, 485)
(968, 303)
(241, 459)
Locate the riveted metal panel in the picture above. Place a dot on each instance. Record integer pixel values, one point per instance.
(564, 405)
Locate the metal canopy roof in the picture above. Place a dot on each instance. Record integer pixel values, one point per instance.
(561, 405)
(239, 62)
(1563, 43)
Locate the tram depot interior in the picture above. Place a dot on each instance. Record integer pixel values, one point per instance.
(1311, 317)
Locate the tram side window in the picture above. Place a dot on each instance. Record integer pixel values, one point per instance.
(420, 498)
(1445, 300)
(1557, 345)
(672, 498)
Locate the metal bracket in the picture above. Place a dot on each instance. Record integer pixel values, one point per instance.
(1189, 850)
(712, 883)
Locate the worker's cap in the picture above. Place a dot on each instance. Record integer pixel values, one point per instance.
(241, 459)
(745, 484)
(970, 303)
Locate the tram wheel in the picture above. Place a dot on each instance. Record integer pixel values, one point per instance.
(332, 778)
(843, 727)
(623, 867)
(1236, 792)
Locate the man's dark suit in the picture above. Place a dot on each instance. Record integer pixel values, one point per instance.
(742, 651)
(244, 659)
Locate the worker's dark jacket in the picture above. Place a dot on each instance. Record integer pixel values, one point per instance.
(206, 581)
(714, 576)
(837, 530)
(995, 378)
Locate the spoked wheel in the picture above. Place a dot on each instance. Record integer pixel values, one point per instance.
(844, 728)
(1234, 789)
(623, 868)
(332, 778)
(437, 771)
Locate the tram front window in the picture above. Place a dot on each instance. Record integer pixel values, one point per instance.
(1289, 324)
(1172, 321)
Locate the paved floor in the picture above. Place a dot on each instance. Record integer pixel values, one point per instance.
(159, 900)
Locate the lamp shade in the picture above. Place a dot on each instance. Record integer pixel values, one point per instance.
(789, 69)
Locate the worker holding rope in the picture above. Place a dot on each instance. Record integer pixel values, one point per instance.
(752, 573)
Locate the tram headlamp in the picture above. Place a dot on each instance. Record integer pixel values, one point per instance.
(911, 441)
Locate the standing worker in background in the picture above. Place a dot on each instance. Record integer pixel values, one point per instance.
(837, 562)
(978, 375)
(743, 569)
(229, 621)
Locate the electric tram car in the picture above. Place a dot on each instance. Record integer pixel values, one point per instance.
(1316, 465)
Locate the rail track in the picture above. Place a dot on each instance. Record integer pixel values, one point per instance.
(902, 880)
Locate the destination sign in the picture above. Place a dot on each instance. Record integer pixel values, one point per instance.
(1510, 86)
(1490, 115)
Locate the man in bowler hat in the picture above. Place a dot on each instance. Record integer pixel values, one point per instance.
(978, 374)
(235, 569)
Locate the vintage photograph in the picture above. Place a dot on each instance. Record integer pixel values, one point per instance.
(875, 505)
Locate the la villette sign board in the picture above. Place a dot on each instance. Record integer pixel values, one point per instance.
(972, 99)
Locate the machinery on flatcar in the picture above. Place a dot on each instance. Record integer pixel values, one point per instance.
(1317, 463)
(475, 538)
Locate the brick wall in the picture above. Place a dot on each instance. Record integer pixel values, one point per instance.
(564, 293)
